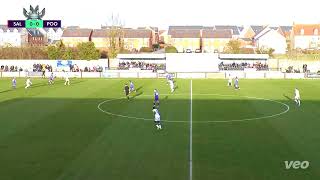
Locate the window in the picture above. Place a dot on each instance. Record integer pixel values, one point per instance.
(316, 32)
(302, 31)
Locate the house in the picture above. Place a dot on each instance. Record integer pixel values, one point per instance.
(13, 37)
(245, 42)
(185, 39)
(270, 38)
(241, 28)
(71, 37)
(36, 38)
(135, 39)
(132, 39)
(305, 36)
(285, 31)
(251, 31)
(155, 33)
(274, 28)
(215, 40)
(100, 38)
(234, 30)
(175, 28)
(53, 34)
(163, 36)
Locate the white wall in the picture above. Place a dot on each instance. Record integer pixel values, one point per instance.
(273, 40)
(191, 75)
(12, 39)
(186, 43)
(126, 74)
(304, 42)
(313, 66)
(274, 75)
(54, 35)
(192, 62)
(233, 74)
(28, 64)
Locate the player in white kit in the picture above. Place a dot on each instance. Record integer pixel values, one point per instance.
(171, 85)
(230, 81)
(66, 78)
(297, 96)
(28, 83)
(156, 118)
(168, 77)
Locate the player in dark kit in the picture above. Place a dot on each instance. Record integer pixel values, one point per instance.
(126, 90)
(156, 101)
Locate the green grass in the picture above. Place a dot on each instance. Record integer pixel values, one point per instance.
(58, 133)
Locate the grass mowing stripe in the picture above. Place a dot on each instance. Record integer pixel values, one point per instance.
(190, 138)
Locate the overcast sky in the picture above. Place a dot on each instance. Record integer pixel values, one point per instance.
(162, 13)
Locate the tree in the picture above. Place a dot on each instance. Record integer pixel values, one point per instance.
(125, 51)
(68, 54)
(104, 55)
(233, 47)
(264, 50)
(145, 49)
(270, 52)
(171, 49)
(114, 35)
(53, 52)
(155, 46)
(87, 51)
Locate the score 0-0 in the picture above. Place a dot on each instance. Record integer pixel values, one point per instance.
(34, 23)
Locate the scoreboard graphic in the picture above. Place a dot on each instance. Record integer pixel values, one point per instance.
(34, 23)
(34, 20)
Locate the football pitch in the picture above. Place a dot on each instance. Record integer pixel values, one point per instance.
(89, 131)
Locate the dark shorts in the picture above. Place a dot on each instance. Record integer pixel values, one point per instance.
(127, 93)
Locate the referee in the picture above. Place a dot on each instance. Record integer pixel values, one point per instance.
(126, 90)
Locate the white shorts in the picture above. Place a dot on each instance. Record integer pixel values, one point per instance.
(156, 119)
(297, 97)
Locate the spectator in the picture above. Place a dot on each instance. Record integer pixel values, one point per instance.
(6, 68)
(41, 67)
(241, 66)
(141, 65)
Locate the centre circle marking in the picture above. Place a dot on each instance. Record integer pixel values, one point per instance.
(198, 122)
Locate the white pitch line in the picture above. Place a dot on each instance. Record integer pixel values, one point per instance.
(190, 138)
(203, 122)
